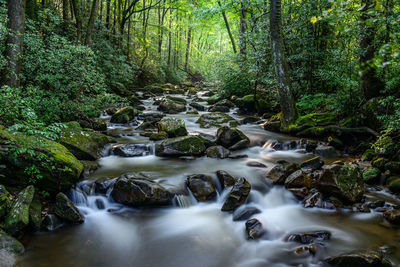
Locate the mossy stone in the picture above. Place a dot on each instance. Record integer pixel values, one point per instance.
(394, 184)
(85, 145)
(369, 154)
(172, 126)
(18, 218)
(124, 115)
(10, 244)
(59, 173)
(371, 175)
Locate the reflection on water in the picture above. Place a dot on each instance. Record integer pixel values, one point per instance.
(199, 234)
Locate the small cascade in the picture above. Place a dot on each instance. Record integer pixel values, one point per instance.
(270, 144)
(183, 201)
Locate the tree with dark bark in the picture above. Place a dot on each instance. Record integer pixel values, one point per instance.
(15, 40)
(370, 83)
(287, 103)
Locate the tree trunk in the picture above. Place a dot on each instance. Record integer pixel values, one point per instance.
(228, 28)
(15, 40)
(76, 9)
(370, 83)
(65, 10)
(108, 14)
(92, 19)
(189, 36)
(169, 39)
(243, 28)
(289, 113)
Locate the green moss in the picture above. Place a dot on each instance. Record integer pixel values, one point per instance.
(5, 201)
(9, 243)
(158, 136)
(85, 145)
(380, 163)
(394, 185)
(385, 146)
(371, 175)
(59, 170)
(216, 119)
(124, 115)
(214, 99)
(172, 126)
(317, 119)
(177, 99)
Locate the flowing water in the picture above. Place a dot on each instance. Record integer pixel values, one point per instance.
(199, 234)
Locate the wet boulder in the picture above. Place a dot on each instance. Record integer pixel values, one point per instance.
(137, 190)
(192, 112)
(35, 213)
(197, 106)
(103, 184)
(385, 145)
(85, 145)
(245, 213)
(225, 179)
(299, 179)
(216, 108)
(217, 152)
(18, 217)
(392, 216)
(172, 126)
(371, 175)
(237, 196)
(214, 99)
(216, 119)
(96, 124)
(66, 210)
(131, 150)
(158, 136)
(181, 146)
(309, 237)
(256, 164)
(278, 173)
(124, 115)
(10, 244)
(201, 186)
(66, 165)
(254, 229)
(359, 259)
(327, 151)
(342, 181)
(177, 99)
(171, 107)
(6, 200)
(314, 163)
(229, 137)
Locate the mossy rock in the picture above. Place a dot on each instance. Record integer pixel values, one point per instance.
(314, 119)
(59, 172)
(225, 103)
(18, 218)
(214, 99)
(172, 126)
(385, 146)
(342, 181)
(171, 107)
(73, 125)
(5, 201)
(158, 136)
(66, 210)
(181, 146)
(216, 119)
(380, 163)
(177, 99)
(154, 89)
(192, 112)
(371, 175)
(394, 184)
(35, 213)
(85, 145)
(124, 115)
(10, 244)
(247, 104)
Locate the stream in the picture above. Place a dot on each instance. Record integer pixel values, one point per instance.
(199, 234)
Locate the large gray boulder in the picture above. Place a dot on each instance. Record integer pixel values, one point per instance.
(181, 146)
(231, 137)
(137, 190)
